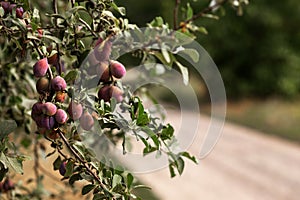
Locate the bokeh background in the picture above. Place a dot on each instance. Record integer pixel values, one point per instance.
(258, 55)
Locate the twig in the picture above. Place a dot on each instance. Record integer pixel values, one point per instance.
(88, 27)
(73, 151)
(175, 13)
(201, 13)
(36, 161)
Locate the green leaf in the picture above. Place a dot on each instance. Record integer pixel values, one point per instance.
(74, 178)
(192, 53)
(167, 132)
(116, 180)
(87, 188)
(158, 21)
(71, 76)
(203, 30)
(184, 72)
(1, 12)
(120, 10)
(180, 165)
(129, 180)
(165, 53)
(192, 158)
(12, 163)
(189, 11)
(52, 38)
(69, 169)
(6, 127)
(172, 171)
(57, 163)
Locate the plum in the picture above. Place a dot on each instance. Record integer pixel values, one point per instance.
(102, 51)
(5, 5)
(61, 116)
(40, 68)
(37, 110)
(58, 84)
(42, 85)
(62, 168)
(19, 12)
(49, 109)
(86, 121)
(116, 93)
(117, 69)
(103, 71)
(46, 122)
(60, 97)
(75, 110)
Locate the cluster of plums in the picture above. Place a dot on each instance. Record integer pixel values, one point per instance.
(8, 8)
(6, 185)
(51, 114)
(48, 115)
(107, 70)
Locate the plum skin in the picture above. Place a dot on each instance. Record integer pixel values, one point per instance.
(86, 121)
(40, 68)
(75, 110)
(117, 69)
(61, 116)
(58, 84)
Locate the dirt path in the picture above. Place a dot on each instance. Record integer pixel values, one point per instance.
(244, 165)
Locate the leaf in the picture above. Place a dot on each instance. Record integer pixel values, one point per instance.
(116, 180)
(171, 169)
(165, 53)
(203, 30)
(69, 169)
(57, 163)
(12, 163)
(158, 21)
(87, 188)
(180, 165)
(192, 158)
(184, 72)
(54, 39)
(167, 132)
(189, 11)
(6, 127)
(120, 10)
(192, 53)
(71, 76)
(129, 180)
(74, 178)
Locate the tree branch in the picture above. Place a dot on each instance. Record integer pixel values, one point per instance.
(175, 14)
(73, 151)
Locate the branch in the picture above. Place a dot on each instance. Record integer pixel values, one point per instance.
(202, 13)
(175, 14)
(73, 151)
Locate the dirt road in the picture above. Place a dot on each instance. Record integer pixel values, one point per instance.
(244, 165)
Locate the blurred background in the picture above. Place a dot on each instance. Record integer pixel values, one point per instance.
(258, 57)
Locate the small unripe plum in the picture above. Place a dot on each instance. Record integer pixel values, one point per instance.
(60, 96)
(46, 122)
(61, 116)
(117, 69)
(103, 71)
(19, 12)
(75, 110)
(42, 85)
(58, 84)
(40, 68)
(117, 93)
(104, 93)
(49, 109)
(86, 121)
(62, 168)
(102, 51)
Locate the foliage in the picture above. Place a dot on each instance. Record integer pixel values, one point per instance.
(53, 39)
